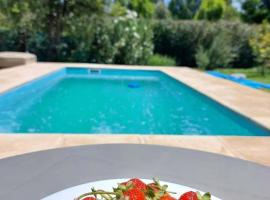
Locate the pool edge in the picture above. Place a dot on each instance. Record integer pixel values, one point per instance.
(250, 148)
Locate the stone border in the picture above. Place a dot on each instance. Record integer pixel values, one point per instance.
(255, 149)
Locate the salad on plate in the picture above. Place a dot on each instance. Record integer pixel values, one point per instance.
(136, 189)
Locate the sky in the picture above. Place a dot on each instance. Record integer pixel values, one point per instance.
(237, 4)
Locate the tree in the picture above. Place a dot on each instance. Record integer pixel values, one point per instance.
(47, 16)
(118, 10)
(255, 11)
(184, 9)
(260, 44)
(123, 2)
(144, 8)
(57, 14)
(267, 4)
(161, 11)
(2, 18)
(231, 13)
(211, 10)
(17, 15)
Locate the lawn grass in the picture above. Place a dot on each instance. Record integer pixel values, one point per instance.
(251, 73)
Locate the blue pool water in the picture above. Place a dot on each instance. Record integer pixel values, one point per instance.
(80, 100)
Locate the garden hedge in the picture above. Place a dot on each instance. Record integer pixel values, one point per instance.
(130, 41)
(181, 39)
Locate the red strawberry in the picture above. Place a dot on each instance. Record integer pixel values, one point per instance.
(89, 198)
(134, 194)
(167, 197)
(137, 183)
(153, 186)
(189, 196)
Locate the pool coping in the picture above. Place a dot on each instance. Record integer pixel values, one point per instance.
(251, 148)
(238, 98)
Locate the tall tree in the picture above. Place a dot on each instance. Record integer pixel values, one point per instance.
(144, 8)
(47, 16)
(267, 4)
(118, 10)
(161, 11)
(255, 11)
(231, 13)
(211, 10)
(18, 16)
(260, 44)
(184, 9)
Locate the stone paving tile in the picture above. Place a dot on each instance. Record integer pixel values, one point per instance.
(254, 149)
(249, 148)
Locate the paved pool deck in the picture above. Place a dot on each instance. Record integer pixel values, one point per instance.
(254, 104)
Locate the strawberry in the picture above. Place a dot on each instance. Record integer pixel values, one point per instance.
(135, 189)
(136, 183)
(89, 198)
(167, 197)
(189, 196)
(134, 194)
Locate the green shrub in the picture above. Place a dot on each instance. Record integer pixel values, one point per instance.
(260, 43)
(132, 41)
(8, 40)
(122, 40)
(202, 58)
(127, 40)
(39, 44)
(181, 40)
(159, 60)
(178, 39)
(219, 54)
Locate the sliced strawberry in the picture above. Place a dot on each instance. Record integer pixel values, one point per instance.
(137, 183)
(189, 196)
(134, 194)
(89, 198)
(167, 197)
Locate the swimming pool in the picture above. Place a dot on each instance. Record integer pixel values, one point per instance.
(82, 100)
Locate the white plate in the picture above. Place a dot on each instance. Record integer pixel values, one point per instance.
(73, 192)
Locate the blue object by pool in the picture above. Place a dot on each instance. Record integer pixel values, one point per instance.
(242, 81)
(133, 85)
(73, 100)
